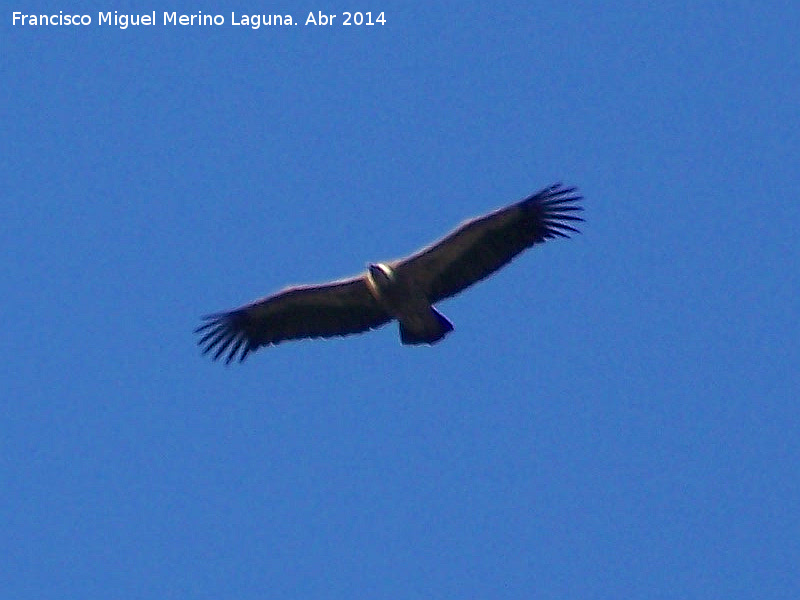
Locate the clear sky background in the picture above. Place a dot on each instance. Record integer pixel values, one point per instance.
(615, 415)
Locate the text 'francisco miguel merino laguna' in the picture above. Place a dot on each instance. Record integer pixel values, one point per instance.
(172, 18)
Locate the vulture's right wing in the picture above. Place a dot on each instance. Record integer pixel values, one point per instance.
(308, 311)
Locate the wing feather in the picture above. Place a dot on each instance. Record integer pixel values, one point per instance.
(481, 246)
(310, 311)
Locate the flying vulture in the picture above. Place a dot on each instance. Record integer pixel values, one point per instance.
(403, 289)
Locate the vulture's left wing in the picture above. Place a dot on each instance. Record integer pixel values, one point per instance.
(308, 311)
(481, 246)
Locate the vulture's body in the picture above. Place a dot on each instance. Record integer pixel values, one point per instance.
(404, 290)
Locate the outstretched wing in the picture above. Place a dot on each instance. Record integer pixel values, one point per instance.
(309, 311)
(481, 246)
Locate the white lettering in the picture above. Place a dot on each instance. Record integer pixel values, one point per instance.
(198, 19)
(124, 21)
(256, 21)
(54, 20)
(321, 19)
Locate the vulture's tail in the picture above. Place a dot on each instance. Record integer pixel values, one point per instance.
(429, 330)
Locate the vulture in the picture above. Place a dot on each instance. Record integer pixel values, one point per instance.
(404, 290)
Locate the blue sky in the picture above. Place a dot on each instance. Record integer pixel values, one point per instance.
(615, 415)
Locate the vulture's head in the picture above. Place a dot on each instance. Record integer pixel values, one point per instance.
(382, 276)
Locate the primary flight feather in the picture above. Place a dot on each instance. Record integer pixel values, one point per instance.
(403, 289)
